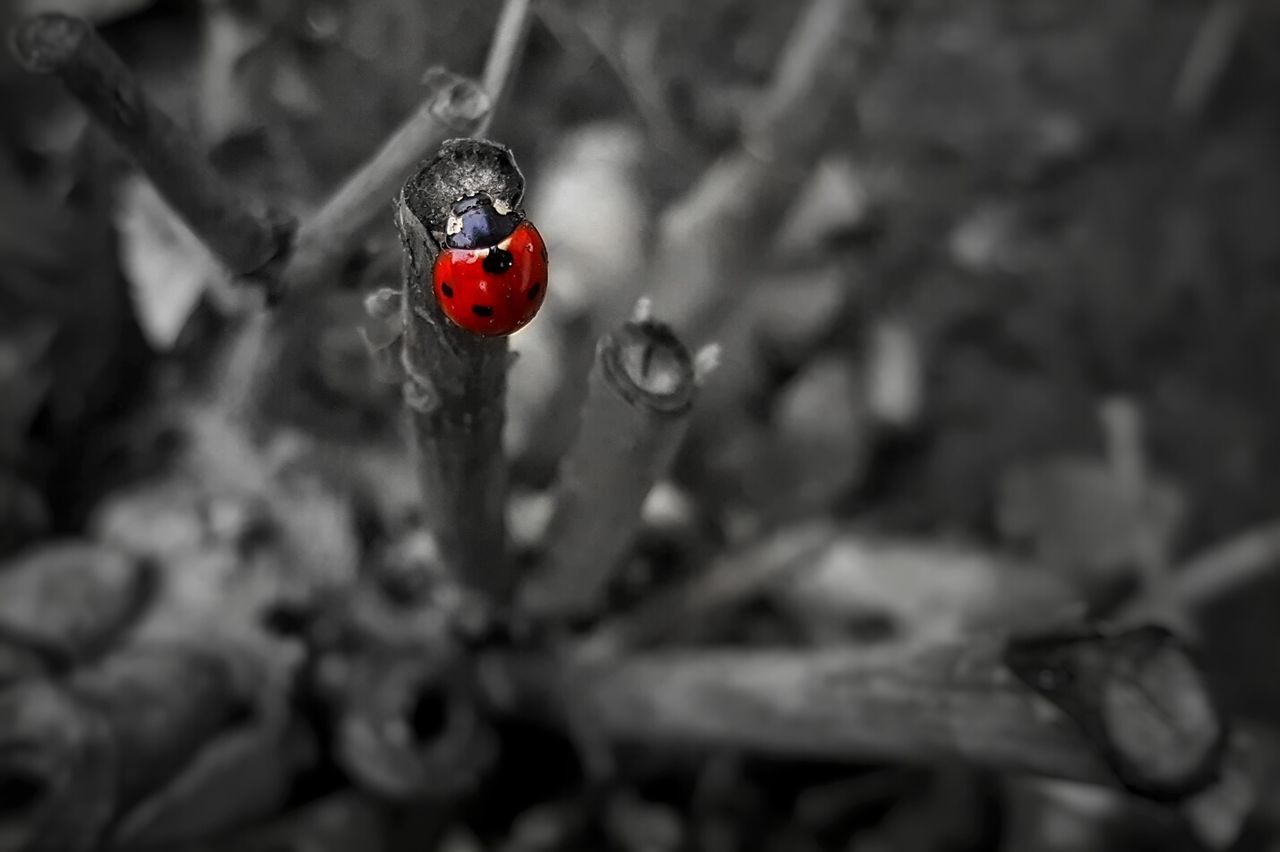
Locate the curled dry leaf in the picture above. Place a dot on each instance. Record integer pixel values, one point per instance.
(242, 774)
(60, 770)
(70, 600)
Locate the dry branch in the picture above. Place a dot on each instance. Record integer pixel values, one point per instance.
(1139, 714)
(453, 106)
(504, 52)
(1209, 55)
(639, 395)
(712, 236)
(456, 385)
(1228, 566)
(730, 580)
(243, 235)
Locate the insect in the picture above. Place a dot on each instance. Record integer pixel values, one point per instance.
(491, 276)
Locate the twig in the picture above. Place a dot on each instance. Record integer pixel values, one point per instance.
(1228, 566)
(454, 106)
(1209, 54)
(456, 385)
(711, 236)
(1123, 429)
(639, 395)
(730, 580)
(243, 236)
(504, 53)
(1137, 713)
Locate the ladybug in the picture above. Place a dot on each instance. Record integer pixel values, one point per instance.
(491, 275)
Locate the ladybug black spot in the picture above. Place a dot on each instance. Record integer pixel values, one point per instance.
(482, 310)
(534, 291)
(447, 290)
(497, 261)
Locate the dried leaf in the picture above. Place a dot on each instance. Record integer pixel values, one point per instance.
(167, 265)
(69, 599)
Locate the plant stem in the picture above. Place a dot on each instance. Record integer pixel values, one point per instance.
(730, 580)
(456, 385)
(245, 237)
(1151, 726)
(1210, 53)
(710, 238)
(1228, 566)
(639, 395)
(504, 53)
(453, 106)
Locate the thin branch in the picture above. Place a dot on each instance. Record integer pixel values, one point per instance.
(454, 106)
(640, 392)
(731, 580)
(456, 385)
(1228, 566)
(1123, 429)
(710, 238)
(1128, 709)
(1209, 55)
(244, 236)
(505, 51)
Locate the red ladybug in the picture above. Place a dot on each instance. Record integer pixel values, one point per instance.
(491, 276)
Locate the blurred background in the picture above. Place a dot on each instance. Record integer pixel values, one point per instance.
(996, 289)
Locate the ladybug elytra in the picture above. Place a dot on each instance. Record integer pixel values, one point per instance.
(491, 275)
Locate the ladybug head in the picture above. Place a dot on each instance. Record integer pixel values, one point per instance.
(476, 222)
